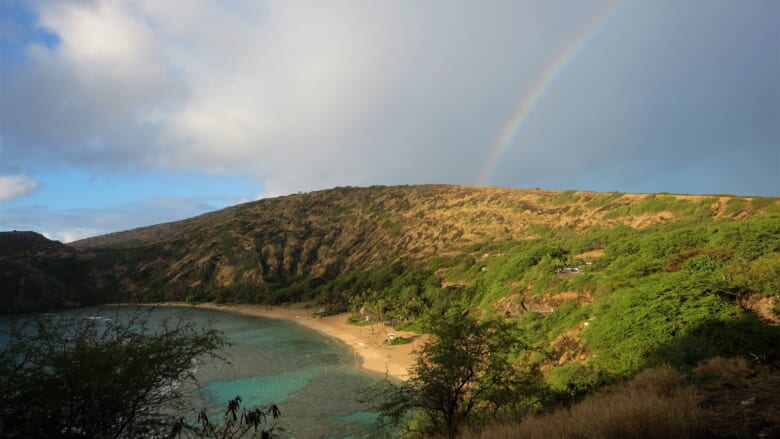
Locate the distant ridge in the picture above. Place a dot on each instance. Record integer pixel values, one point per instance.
(17, 242)
(526, 206)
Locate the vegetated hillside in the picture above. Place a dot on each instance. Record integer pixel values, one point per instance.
(289, 247)
(659, 278)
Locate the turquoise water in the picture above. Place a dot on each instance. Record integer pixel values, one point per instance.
(315, 380)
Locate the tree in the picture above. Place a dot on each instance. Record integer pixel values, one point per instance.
(465, 368)
(75, 376)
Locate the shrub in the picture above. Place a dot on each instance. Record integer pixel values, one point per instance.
(462, 371)
(720, 367)
(74, 376)
(397, 341)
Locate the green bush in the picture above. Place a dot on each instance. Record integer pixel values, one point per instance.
(397, 341)
(574, 379)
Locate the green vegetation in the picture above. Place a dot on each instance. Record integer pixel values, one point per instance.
(465, 372)
(566, 197)
(603, 201)
(735, 205)
(396, 341)
(96, 378)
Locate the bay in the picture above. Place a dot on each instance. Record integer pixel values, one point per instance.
(315, 380)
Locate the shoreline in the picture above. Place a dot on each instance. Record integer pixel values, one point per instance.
(368, 342)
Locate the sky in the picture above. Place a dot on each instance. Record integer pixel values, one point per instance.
(116, 114)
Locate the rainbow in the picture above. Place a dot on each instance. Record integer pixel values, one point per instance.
(542, 83)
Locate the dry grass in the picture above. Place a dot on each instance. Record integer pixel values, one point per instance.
(657, 403)
(740, 400)
(651, 219)
(762, 306)
(719, 368)
(730, 399)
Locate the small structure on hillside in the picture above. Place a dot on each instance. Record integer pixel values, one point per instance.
(566, 269)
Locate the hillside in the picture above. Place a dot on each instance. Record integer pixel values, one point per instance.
(302, 241)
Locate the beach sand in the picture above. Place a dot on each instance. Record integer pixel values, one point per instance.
(367, 341)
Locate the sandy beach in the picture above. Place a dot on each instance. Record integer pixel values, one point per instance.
(368, 343)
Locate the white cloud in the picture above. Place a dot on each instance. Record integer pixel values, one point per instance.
(69, 225)
(298, 95)
(15, 186)
(70, 235)
(306, 95)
